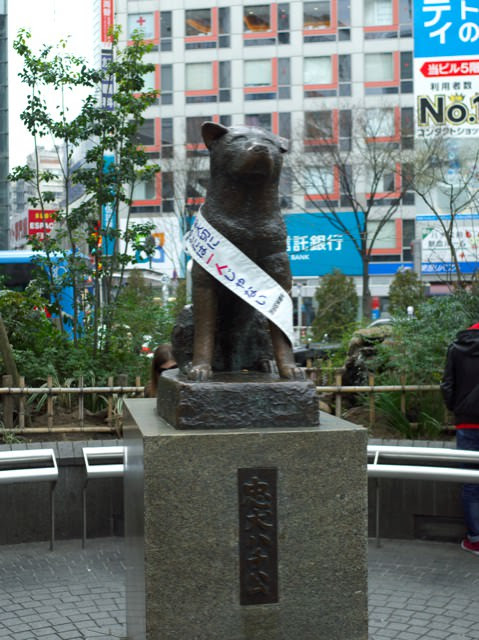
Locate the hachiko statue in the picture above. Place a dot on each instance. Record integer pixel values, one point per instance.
(242, 204)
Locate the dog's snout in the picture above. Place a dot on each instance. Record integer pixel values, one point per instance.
(257, 147)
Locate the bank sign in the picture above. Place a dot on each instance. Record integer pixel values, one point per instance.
(316, 246)
(446, 67)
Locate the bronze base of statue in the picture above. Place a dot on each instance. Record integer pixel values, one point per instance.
(236, 400)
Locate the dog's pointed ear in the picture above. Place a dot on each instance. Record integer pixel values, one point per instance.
(283, 144)
(211, 131)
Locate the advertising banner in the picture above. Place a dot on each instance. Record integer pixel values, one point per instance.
(107, 84)
(40, 222)
(107, 19)
(316, 246)
(446, 67)
(435, 250)
(108, 215)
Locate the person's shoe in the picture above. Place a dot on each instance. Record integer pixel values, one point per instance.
(473, 547)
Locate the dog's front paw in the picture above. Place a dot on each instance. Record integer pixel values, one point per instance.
(291, 372)
(200, 372)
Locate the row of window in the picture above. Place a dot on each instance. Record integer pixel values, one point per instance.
(321, 127)
(158, 194)
(323, 20)
(393, 126)
(270, 79)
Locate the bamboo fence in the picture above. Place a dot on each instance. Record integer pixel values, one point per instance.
(16, 401)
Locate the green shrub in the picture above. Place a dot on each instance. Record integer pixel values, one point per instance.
(337, 303)
(405, 290)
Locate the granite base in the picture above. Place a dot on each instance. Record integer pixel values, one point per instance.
(182, 526)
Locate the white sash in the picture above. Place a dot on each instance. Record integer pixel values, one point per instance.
(225, 262)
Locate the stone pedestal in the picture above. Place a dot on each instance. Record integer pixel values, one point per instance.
(205, 509)
(236, 401)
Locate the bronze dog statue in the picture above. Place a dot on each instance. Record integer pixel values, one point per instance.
(242, 203)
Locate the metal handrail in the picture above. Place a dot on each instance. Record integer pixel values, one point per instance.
(436, 472)
(31, 474)
(107, 470)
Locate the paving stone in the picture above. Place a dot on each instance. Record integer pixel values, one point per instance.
(417, 591)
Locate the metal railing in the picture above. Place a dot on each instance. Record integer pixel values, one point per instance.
(32, 465)
(438, 468)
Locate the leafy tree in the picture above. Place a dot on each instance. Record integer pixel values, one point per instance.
(337, 302)
(447, 181)
(111, 164)
(418, 347)
(405, 290)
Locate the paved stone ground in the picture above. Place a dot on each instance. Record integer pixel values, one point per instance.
(67, 594)
(422, 590)
(417, 591)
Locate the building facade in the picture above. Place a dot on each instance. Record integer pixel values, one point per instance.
(26, 218)
(281, 66)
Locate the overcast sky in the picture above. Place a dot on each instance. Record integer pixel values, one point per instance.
(49, 21)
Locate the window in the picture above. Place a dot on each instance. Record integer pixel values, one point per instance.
(167, 192)
(386, 238)
(197, 183)
(193, 129)
(201, 82)
(145, 190)
(318, 70)
(198, 22)
(165, 31)
(378, 67)
(378, 13)
(284, 125)
(317, 15)
(143, 22)
(199, 76)
(257, 73)
(344, 72)
(146, 133)
(262, 120)
(381, 123)
(225, 80)
(206, 28)
(266, 24)
(194, 140)
(257, 19)
(405, 18)
(319, 180)
(326, 20)
(224, 26)
(284, 78)
(407, 128)
(406, 72)
(283, 23)
(149, 81)
(167, 137)
(318, 125)
(166, 93)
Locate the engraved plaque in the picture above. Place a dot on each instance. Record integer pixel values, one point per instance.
(258, 536)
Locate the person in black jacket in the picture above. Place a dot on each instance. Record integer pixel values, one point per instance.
(460, 389)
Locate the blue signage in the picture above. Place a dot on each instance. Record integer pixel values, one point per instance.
(108, 215)
(316, 246)
(446, 28)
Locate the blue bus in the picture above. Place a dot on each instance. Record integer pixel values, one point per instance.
(17, 270)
